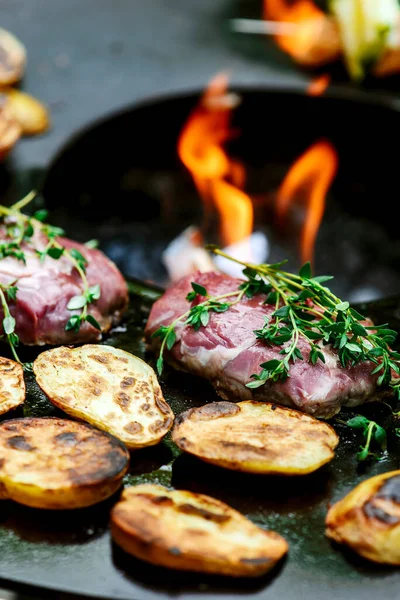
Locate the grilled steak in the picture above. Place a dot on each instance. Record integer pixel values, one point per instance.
(227, 353)
(45, 288)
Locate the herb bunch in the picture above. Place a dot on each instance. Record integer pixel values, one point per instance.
(19, 237)
(303, 309)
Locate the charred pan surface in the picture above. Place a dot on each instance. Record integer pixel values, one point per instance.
(45, 288)
(59, 464)
(256, 437)
(183, 530)
(109, 388)
(12, 385)
(227, 353)
(368, 519)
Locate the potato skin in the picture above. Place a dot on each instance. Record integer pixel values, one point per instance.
(368, 519)
(183, 530)
(12, 385)
(55, 463)
(255, 437)
(12, 58)
(31, 115)
(107, 387)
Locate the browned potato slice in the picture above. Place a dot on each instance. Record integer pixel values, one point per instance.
(58, 464)
(31, 114)
(10, 130)
(12, 385)
(257, 437)
(183, 530)
(107, 387)
(368, 519)
(12, 58)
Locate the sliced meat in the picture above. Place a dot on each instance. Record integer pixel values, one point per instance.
(227, 353)
(45, 288)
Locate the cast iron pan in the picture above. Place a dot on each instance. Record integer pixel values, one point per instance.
(64, 554)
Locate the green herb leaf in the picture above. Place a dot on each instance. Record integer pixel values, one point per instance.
(76, 302)
(8, 324)
(94, 292)
(55, 253)
(171, 339)
(41, 215)
(199, 289)
(305, 271)
(342, 306)
(358, 422)
(73, 323)
(92, 244)
(90, 319)
(380, 436)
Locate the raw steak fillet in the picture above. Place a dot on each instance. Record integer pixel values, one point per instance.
(227, 353)
(45, 288)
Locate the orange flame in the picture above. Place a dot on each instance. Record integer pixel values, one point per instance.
(314, 38)
(319, 85)
(218, 178)
(309, 179)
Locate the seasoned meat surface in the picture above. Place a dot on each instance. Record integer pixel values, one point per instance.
(227, 353)
(45, 288)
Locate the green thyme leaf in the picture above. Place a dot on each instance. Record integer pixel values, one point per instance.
(41, 215)
(358, 422)
(305, 271)
(94, 293)
(55, 253)
(8, 324)
(73, 323)
(92, 244)
(90, 319)
(170, 339)
(76, 302)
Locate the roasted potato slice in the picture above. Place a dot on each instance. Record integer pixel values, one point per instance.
(107, 387)
(12, 58)
(58, 464)
(12, 385)
(30, 114)
(183, 530)
(368, 519)
(256, 437)
(10, 129)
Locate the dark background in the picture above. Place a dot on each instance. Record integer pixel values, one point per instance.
(89, 57)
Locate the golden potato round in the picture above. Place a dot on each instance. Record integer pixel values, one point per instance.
(30, 114)
(183, 530)
(58, 464)
(12, 58)
(368, 519)
(12, 385)
(10, 129)
(256, 437)
(107, 387)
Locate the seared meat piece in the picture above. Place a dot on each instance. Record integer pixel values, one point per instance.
(45, 288)
(227, 353)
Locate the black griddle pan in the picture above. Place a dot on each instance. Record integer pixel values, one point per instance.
(68, 554)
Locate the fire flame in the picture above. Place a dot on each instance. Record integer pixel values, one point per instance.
(309, 180)
(219, 179)
(319, 85)
(313, 38)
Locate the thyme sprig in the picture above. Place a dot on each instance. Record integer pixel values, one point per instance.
(198, 315)
(305, 308)
(19, 234)
(373, 434)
